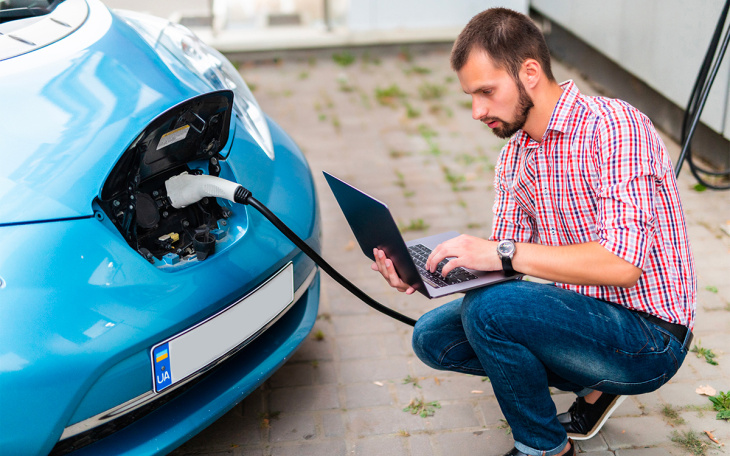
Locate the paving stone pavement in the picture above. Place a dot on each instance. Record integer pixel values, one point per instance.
(395, 123)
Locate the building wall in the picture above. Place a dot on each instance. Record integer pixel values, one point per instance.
(661, 42)
(412, 14)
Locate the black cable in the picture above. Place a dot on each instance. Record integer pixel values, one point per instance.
(243, 196)
(697, 101)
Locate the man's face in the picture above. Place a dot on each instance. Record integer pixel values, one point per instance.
(496, 98)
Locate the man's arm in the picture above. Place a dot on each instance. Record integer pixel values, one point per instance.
(579, 264)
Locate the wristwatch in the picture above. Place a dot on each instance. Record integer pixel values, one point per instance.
(506, 251)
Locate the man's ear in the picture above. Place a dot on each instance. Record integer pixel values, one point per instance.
(530, 73)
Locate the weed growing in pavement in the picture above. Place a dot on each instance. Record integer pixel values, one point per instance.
(672, 415)
(336, 122)
(422, 408)
(505, 425)
(398, 153)
(414, 225)
(473, 225)
(304, 75)
(439, 109)
(344, 58)
(405, 54)
(455, 180)
(412, 112)
(319, 335)
(711, 289)
(404, 433)
(426, 131)
(415, 69)
(699, 409)
(252, 86)
(721, 403)
(401, 179)
(266, 417)
(368, 59)
(412, 380)
(428, 134)
(690, 441)
(706, 352)
(466, 104)
(365, 100)
(430, 91)
(389, 95)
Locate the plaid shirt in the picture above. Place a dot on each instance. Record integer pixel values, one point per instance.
(601, 174)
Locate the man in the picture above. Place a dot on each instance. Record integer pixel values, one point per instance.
(585, 198)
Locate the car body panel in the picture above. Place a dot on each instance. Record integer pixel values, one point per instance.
(79, 308)
(81, 106)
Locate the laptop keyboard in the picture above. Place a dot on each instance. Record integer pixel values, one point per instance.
(420, 253)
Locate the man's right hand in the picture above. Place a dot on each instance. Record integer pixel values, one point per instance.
(385, 266)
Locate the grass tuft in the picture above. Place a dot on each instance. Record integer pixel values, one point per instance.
(344, 58)
(690, 441)
(706, 352)
(422, 408)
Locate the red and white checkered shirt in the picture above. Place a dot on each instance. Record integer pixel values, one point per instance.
(601, 174)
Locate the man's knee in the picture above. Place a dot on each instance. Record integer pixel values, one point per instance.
(435, 330)
(494, 306)
(424, 333)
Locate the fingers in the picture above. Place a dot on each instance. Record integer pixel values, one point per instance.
(450, 266)
(440, 253)
(385, 266)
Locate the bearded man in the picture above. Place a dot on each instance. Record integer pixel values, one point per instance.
(585, 198)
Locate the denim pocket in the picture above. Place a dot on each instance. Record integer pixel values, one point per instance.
(653, 339)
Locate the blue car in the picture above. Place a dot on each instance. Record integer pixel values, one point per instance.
(127, 325)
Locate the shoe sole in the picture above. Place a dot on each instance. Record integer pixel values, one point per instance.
(609, 410)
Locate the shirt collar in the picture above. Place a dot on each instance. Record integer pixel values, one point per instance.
(560, 117)
(561, 114)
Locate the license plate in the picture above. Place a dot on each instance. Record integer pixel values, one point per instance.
(199, 347)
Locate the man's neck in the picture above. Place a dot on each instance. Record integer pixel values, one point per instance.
(544, 100)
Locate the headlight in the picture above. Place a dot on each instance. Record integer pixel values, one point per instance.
(216, 69)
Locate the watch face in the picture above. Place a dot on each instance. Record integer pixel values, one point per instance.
(505, 248)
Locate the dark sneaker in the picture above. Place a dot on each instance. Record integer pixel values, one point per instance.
(583, 420)
(516, 452)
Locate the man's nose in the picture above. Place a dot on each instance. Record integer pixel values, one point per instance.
(479, 109)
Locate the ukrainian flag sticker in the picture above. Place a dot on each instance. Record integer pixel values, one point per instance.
(161, 363)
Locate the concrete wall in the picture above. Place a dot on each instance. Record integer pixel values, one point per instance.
(392, 14)
(661, 42)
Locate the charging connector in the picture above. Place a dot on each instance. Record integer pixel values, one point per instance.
(185, 189)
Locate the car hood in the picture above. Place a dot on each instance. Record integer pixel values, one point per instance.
(70, 109)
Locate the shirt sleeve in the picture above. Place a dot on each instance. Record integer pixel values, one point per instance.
(511, 221)
(631, 167)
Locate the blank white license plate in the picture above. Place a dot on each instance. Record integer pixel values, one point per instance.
(194, 349)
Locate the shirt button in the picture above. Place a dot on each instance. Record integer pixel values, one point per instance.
(552, 230)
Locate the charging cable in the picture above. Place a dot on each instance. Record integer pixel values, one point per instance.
(185, 189)
(696, 104)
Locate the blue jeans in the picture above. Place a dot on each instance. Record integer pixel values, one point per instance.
(527, 336)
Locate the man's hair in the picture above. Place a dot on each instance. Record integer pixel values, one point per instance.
(508, 37)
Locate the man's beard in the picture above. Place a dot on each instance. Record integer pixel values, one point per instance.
(524, 104)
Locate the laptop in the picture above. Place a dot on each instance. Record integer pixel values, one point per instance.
(374, 227)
